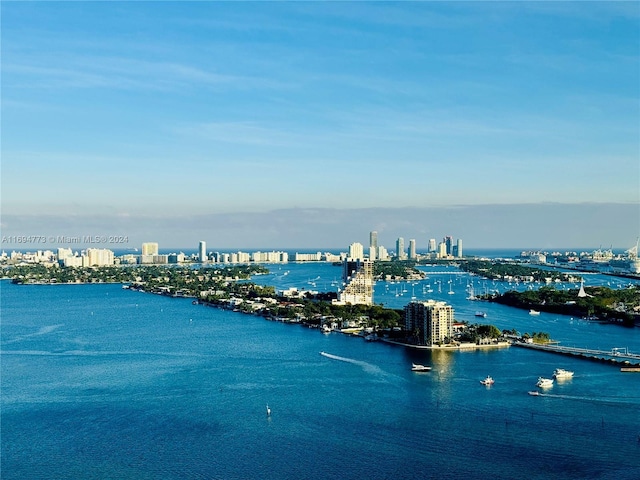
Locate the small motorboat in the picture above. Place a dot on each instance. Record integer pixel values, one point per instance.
(420, 368)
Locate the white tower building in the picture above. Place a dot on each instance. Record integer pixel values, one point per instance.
(202, 251)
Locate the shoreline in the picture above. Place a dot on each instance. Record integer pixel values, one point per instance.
(463, 346)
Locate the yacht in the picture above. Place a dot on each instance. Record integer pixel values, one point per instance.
(544, 382)
(534, 312)
(559, 373)
(487, 381)
(420, 368)
(481, 314)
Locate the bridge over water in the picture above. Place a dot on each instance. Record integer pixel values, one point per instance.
(617, 355)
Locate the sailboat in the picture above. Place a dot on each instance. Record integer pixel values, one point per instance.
(268, 411)
(472, 295)
(450, 292)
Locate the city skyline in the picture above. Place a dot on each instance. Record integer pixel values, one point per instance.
(306, 125)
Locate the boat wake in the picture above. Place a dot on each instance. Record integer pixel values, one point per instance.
(43, 331)
(623, 400)
(367, 367)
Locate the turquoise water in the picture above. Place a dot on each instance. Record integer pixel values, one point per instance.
(100, 382)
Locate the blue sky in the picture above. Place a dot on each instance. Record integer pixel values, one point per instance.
(153, 112)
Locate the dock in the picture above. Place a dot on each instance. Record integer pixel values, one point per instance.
(616, 356)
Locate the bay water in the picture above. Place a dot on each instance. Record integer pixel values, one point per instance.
(100, 382)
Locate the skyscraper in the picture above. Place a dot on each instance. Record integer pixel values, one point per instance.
(400, 253)
(433, 246)
(202, 251)
(412, 249)
(459, 248)
(373, 239)
(448, 241)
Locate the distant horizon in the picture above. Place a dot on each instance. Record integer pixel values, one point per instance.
(191, 250)
(542, 226)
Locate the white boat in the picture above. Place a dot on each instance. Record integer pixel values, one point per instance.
(544, 382)
(487, 381)
(561, 373)
(535, 393)
(420, 368)
(534, 312)
(481, 314)
(268, 411)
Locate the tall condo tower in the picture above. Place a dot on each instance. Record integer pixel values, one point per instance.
(373, 239)
(448, 241)
(202, 251)
(150, 248)
(412, 249)
(357, 276)
(431, 321)
(459, 248)
(400, 253)
(432, 245)
(356, 251)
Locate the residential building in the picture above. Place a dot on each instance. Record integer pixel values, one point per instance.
(433, 247)
(373, 239)
(150, 248)
(356, 251)
(357, 275)
(307, 257)
(448, 241)
(400, 253)
(412, 249)
(98, 257)
(202, 252)
(431, 322)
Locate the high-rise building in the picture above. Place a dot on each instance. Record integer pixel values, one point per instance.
(382, 253)
(150, 248)
(442, 250)
(431, 322)
(99, 257)
(412, 249)
(357, 275)
(400, 253)
(433, 247)
(373, 253)
(356, 251)
(448, 241)
(459, 248)
(373, 239)
(202, 251)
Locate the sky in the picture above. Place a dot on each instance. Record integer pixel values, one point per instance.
(308, 124)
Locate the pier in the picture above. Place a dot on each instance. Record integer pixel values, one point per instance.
(617, 356)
